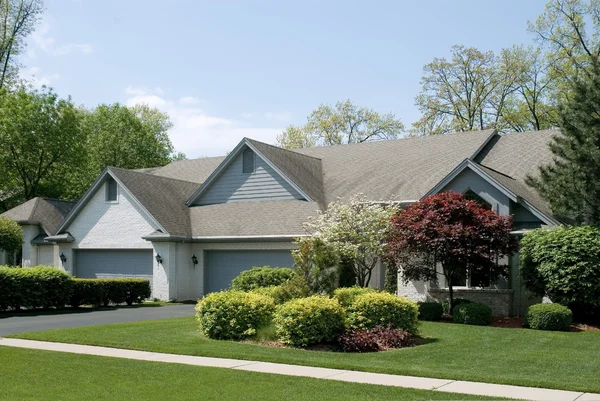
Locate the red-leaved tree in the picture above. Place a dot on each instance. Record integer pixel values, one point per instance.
(459, 234)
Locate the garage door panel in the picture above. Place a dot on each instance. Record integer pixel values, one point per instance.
(114, 264)
(223, 266)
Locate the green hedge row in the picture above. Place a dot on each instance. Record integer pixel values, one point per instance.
(47, 287)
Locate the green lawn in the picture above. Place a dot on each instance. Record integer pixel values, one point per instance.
(44, 375)
(509, 356)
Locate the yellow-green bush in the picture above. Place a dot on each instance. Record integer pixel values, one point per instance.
(233, 314)
(35, 287)
(549, 317)
(305, 321)
(259, 277)
(347, 295)
(382, 309)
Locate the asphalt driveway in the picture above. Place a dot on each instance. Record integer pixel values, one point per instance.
(44, 321)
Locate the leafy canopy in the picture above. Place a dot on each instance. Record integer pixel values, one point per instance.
(11, 236)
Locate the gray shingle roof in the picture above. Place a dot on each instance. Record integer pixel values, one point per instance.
(305, 171)
(251, 218)
(164, 198)
(49, 213)
(195, 170)
(404, 169)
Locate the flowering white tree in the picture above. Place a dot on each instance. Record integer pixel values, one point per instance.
(355, 230)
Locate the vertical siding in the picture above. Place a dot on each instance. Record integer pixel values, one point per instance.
(235, 186)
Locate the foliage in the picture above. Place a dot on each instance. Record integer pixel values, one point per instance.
(473, 313)
(571, 183)
(564, 264)
(291, 289)
(258, 277)
(379, 338)
(17, 20)
(355, 231)
(346, 275)
(457, 233)
(11, 236)
(41, 138)
(382, 309)
(431, 311)
(457, 301)
(391, 280)
(553, 317)
(342, 123)
(347, 295)
(311, 320)
(233, 314)
(36, 287)
(102, 292)
(316, 262)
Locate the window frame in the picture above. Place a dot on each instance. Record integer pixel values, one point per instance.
(108, 182)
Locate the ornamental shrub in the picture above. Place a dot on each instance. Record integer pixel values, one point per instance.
(379, 338)
(549, 317)
(564, 264)
(11, 236)
(259, 277)
(457, 301)
(105, 291)
(382, 309)
(36, 287)
(431, 311)
(346, 296)
(291, 289)
(304, 321)
(233, 314)
(473, 313)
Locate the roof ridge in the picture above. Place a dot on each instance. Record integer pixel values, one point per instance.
(152, 175)
(496, 171)
(284, 149)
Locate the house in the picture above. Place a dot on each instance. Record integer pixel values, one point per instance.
(193, 225)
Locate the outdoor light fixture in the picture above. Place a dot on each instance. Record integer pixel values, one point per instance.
(63, 258)
(194, 259)
(158, 259)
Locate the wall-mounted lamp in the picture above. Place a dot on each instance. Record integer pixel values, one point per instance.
(158, 259)
(194, 260)
(63, 258)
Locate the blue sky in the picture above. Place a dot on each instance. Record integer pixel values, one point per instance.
(228, 69)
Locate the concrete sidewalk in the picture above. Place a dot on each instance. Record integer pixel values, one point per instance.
(444, 385)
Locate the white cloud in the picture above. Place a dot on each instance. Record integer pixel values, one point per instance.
(247, 115)
(43, 41)
(196, 132)
(38, 78)
(278, 116)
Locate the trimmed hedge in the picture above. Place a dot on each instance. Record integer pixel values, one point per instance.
(102, 292)
(347, 295)
(259, 277)
(383, 309)
(36, 287)
(473, 313)
(233, 314)
(549, 317)
(311, 320)
(431, 311)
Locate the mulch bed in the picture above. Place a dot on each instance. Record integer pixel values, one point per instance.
(509, 322)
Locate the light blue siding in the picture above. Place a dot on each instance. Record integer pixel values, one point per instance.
(232, 185)
(223, 266)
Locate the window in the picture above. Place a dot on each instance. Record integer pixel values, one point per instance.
(248, 161)
(111, 190)
(470, 195)
(471, 279)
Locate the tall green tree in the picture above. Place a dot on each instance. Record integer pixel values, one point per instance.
(571, 183)
(342, 123)
(17, 21)
(41, 137)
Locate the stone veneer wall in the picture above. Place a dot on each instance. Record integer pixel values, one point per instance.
(499, 300)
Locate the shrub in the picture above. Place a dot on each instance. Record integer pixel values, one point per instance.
(233, 314)
(292, 289)
(473, 313)
(382, 309)
(311, 320)
(11, 236)
(431, 311)
(379, 338)
(36, 287)
(259, 277)
(564, 264)
(457, 301)
(102, 292)
(346, 296)
(549, 317)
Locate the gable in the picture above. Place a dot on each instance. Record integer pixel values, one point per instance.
(261, 184)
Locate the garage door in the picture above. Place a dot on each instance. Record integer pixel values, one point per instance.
(113, 263)
(224, 266)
